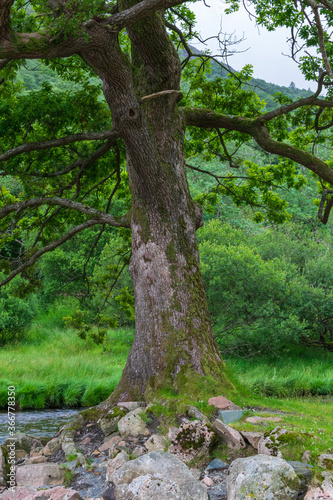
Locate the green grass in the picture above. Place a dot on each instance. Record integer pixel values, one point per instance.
(303, 372)
(53, 367)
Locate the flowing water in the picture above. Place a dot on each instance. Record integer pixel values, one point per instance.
(43, 423)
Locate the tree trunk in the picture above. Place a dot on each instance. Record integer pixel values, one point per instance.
(173, 345)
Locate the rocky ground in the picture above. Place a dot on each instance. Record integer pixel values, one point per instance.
(128, 453)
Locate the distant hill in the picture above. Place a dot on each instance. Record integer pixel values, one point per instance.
(263, 89)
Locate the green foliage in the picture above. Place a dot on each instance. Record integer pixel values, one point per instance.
(253, 182)
(16, 312)
(266, 290)
(104, 292)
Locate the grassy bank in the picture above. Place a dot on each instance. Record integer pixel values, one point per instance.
(53, 368)
(302, 372)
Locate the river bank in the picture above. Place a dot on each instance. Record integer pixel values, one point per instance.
(173, 449)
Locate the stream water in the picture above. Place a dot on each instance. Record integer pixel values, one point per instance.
(41, 423)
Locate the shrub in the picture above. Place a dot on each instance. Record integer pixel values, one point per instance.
(16, 313)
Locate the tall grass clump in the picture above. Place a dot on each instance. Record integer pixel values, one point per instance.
(302, 372)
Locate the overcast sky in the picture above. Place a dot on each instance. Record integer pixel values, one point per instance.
(265, 49)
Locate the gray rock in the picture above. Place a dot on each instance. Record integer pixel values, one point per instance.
(24, 442)
(173, 432)
(272, 443)
(68, 446)
(222, 403)
(229, 416)
(52, 447)
(40, 475)
(317, 494)
(20, 454)
(35, 460)
(325, 460)
(253, 438)
(304, 473)
(157, 475)
(72, 465)
(139, 451)
(110, 444)
(196, 473)
(217, 492)
(216, 464)
(325, 491)
(195, 413)
(269, 444)
(262, 477)
(193, 437)
(20, 493)
(132, 425)
(57, 493)
(232, 437)
(115, 463)
(132, 405)
(109, 422)
(157, 442)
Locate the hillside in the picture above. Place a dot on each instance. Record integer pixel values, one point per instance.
(33, 73)
(265, 90)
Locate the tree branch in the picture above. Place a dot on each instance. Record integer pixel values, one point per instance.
(140, 10)
(103, 217)
(3, 63)
(329, 204)
(321, 36)
(50, 248)
(306, 101)
(40, 46)
(200, 117)
(179, 32)
(56, 143)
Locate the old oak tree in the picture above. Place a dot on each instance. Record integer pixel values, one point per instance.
(66, 152)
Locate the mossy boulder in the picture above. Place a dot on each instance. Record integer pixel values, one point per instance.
(192, 436)
(24, 442)
(325, 461)
(262, 477)
(273, 442)
(109, 422)
(132, 425)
